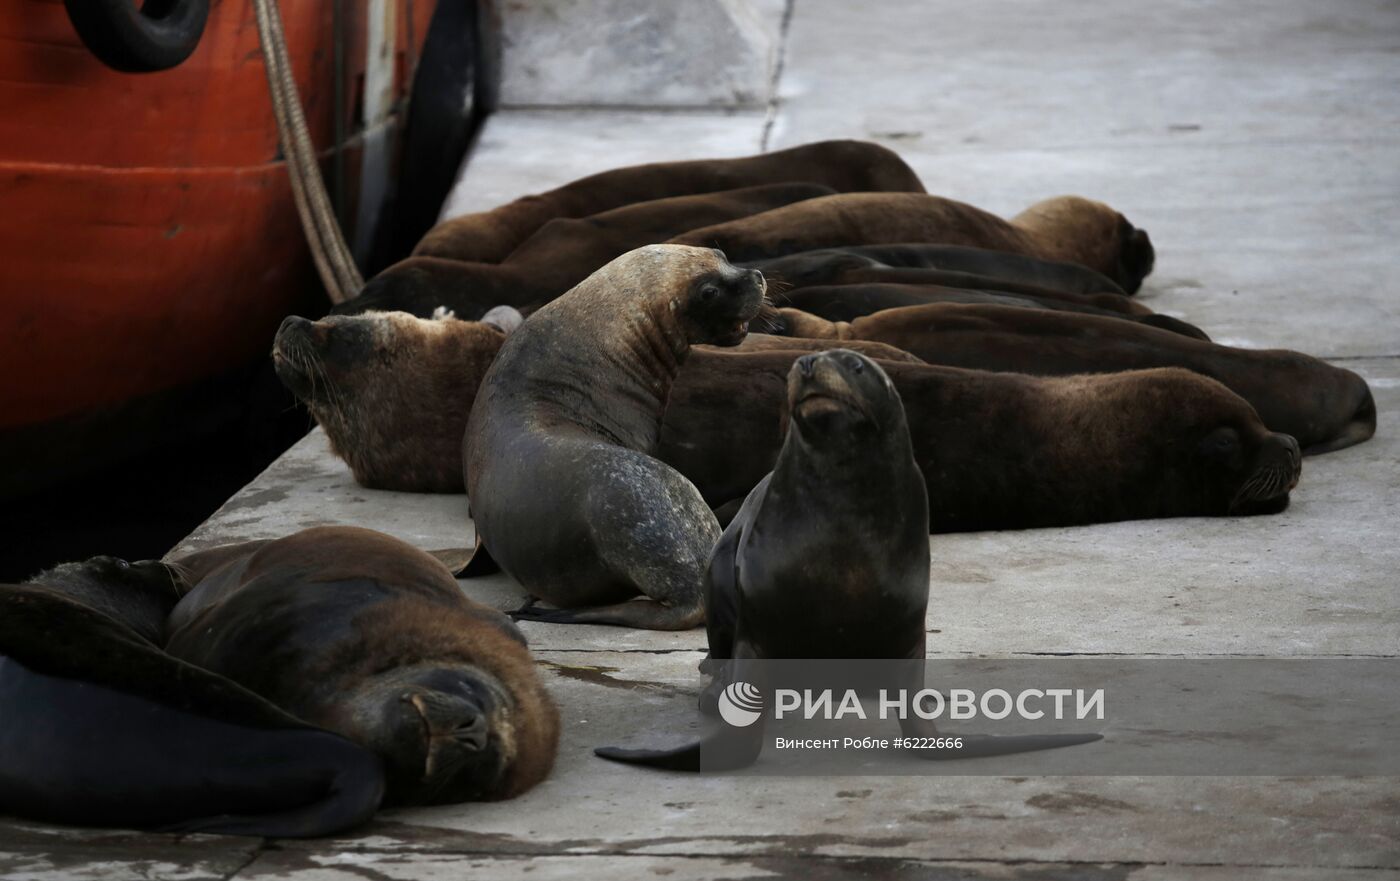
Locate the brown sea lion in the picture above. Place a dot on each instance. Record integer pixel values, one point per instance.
(565, 493)
(363, 635)
(845, 166)
(1066, 228)
(847, 302)
(722, 429)
(103, 728)
(393, 391)
(949, 265)
(1323, 407)
(827, 558)
(559, 255)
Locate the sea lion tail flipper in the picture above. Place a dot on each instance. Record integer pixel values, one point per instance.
(646, 614)
(352, 795)
(979, 746)
(727, 749)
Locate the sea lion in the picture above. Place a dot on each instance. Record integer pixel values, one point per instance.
(949, 265)
(556, 459)
(1009, 451)
(363, 635)
(1323, 407)
(845, 166)
(722, 430)
(102, 728)
(847, 302)
(559, 255)
(827, 558)
(1066, 228)
(393, 391)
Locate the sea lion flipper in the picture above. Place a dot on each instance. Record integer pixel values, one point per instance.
(977, 746)
(727, 749)
(641, 613)
(476, 564)
(457, 560)
(353, 793)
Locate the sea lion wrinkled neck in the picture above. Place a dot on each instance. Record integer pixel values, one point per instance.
(639, 343)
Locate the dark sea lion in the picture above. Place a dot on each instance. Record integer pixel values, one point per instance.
(363, 635)
(102, 728)
(847, 302)
(722, 430)
(559, 255)
(1066, 228)
(827, 558)
(565, 494)
(949, 265)
(1323, 407)
(845, 166)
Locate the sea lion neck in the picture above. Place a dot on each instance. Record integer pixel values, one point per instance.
(634, 339)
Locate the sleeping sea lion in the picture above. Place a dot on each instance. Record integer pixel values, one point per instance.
(1323, 407)
(363, 635)
(845, 166)
(559, 255)
(1066, 228)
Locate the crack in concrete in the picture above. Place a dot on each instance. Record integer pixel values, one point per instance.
(771, 116)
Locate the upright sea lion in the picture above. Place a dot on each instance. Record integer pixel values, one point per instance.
(102, 728)
(1323, 407)
(560, 254)
(845, 166)
(1066, 228)
(827, 558)
(361, 634)
(847, 302)
(949, 265)
(722, 430)
(557, 460)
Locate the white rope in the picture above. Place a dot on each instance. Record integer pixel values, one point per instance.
(333, 260)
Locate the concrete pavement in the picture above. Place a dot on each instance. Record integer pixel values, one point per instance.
(1257, 142)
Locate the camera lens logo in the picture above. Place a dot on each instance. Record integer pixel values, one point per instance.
(740, 704)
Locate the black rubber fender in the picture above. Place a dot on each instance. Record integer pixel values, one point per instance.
(143, 37)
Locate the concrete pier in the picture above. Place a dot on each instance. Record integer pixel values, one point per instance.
(1259, 143)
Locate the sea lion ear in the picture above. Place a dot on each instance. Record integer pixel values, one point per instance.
(504, 318)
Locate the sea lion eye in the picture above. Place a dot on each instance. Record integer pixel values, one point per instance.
(709, 292)
(1221, 442)
(122, 564)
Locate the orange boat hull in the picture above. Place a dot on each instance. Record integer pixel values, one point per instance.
(148, 231)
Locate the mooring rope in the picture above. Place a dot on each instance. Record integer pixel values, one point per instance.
(332, 255)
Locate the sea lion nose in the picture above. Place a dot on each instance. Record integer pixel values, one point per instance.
(807, 366)
(472, 733)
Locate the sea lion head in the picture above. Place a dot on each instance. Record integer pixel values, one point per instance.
(445, 731)
(838, 396)
(365, 376)
(1209, 450)
(1094, 235)
(713, 300)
